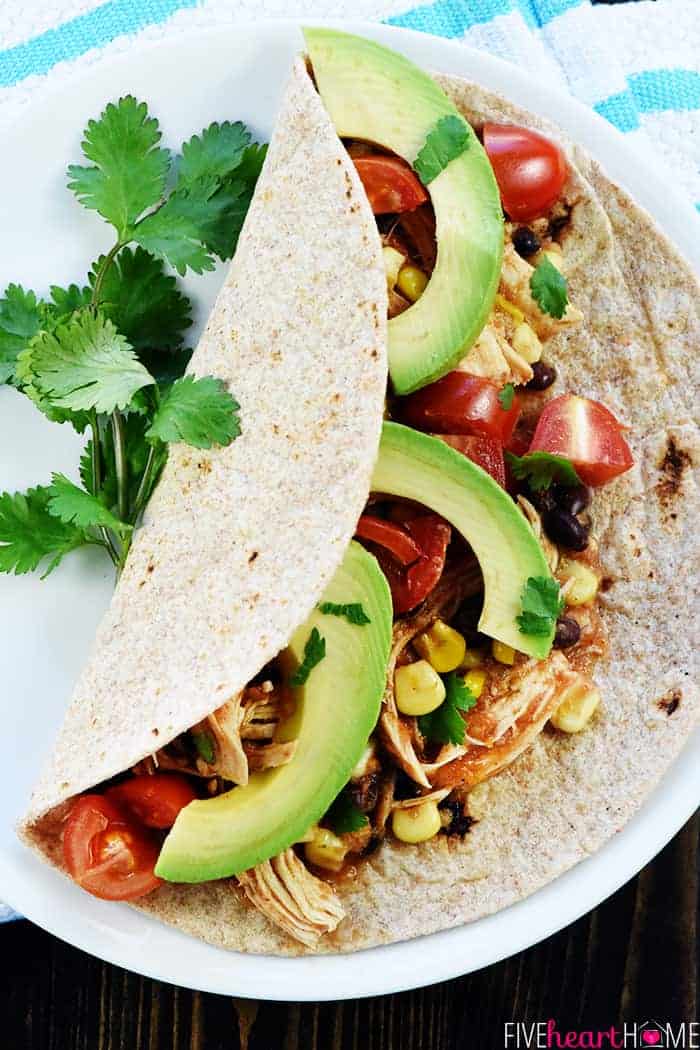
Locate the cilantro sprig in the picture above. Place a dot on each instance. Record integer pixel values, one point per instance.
(506, 396)
(445, 724)
(314, 652)
(549, 288)
(541, 602)
(108, 356)
(540, 469)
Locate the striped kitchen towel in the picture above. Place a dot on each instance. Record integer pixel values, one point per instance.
(637, 64)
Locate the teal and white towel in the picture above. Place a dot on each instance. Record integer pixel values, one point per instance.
(637, 64)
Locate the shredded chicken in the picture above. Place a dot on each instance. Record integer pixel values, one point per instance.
(268, 756)
(487, 357)
(286, 893)
(411, 803)
(509, 715)
(224, 730)
(397, 733)
(549, 549)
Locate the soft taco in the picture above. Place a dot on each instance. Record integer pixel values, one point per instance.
(339, 743)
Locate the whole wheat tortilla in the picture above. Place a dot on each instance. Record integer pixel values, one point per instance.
(566, 796)
(238, 543)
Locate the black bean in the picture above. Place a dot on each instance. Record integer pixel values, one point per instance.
(543, 376)
(567, 633)
(541, 499)
(405, 787)
(460, 822)
(525, 241)
(574, 498)
(566, 529)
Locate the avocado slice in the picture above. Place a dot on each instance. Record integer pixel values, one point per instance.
(337, 709)
(376, 94)
(418, 467)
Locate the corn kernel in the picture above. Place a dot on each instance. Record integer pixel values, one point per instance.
(510, 308)
(472, 658)
(475, 682)
(555, 255)
(585, 582)
(393, 261)
(526, 343)
(505, 654)
(416, 824)
(576, 709)
(442, 646)
(418, 688)
(412, 282)
(325, 850)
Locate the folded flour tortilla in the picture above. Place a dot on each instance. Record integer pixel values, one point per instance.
(636, 351)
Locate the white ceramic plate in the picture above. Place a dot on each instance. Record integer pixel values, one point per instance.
(46, 628)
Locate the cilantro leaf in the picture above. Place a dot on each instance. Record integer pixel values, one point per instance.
(200, 412)
(65, 302)
(352, 611)
(204, 745)
(74, 506)
(506, 396)
(549, 288)
(252, 162)
(29, 534)
(20, 320)
(541, 604)
(314, 652)
(540, 469)
(142, 300)
(344, 817)
(199, 218)
(165, 365)
(84, 364)
(129, 170)
(217, 150)
(447, 140)
(445, 724)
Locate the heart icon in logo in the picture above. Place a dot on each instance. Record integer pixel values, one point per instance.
(651, 1038)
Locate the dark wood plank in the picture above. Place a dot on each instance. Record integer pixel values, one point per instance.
(633, 958)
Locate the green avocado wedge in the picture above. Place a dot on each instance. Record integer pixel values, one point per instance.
(337, 709)
(375, 94)
(418, 467)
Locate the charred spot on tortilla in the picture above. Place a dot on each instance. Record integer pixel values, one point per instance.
(675, 462)
(252, 557)
(670, 702)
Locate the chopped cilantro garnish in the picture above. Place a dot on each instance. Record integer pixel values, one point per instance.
(447, 140)
(542, 468)
(549, 288)
(314, 652)
(445, 724)
(353, 612)
(541, 604)
(205, 746)
(506, 396)
(344, 816)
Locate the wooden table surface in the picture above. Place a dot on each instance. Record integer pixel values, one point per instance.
(634, 958)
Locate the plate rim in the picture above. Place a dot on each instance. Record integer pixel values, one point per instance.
(355, 975)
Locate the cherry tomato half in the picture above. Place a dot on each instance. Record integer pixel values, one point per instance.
(155, 800)
(485, 452)
(411, 585)
(587, 433)
(530, 170)
(460, 404)
(107, 854)
(389, 183)
(388, 535)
